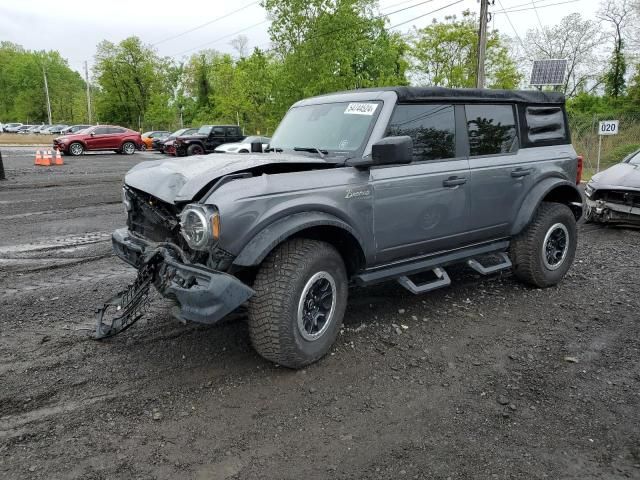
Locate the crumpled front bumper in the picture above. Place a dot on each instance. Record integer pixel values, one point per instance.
(609, 212)
(203, 295)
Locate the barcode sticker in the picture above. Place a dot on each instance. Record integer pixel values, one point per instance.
(361, 109)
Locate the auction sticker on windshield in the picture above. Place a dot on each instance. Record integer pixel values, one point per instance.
(361, 108)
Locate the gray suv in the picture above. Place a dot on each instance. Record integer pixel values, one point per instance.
(355, 188)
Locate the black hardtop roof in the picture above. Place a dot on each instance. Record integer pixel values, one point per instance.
(420, 94)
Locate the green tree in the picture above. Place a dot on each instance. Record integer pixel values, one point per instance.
(330, 45)
(618, 14)
(444, 54)
(135, 86)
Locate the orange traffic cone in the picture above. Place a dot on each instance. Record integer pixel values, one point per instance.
(38, 160)
(58, 160)
(46, 161)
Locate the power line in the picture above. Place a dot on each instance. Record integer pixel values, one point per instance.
(537, 15)
(425, 14)
(204, 24)
(512, 27)
(531, 8)
(220, 38)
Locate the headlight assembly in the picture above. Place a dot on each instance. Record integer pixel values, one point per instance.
(200, 226)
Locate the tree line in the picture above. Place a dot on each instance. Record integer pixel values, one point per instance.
(319, 46)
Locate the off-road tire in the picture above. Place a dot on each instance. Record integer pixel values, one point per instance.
(526, 250)
(195, 150)
(273, 310)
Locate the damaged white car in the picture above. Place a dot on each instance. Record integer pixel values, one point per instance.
(613, 195)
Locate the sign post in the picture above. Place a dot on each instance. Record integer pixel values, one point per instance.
(606, 127)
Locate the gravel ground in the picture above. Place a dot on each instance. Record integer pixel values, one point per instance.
(484, 379)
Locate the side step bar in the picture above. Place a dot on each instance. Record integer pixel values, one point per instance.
(442, 280)
(482, 270)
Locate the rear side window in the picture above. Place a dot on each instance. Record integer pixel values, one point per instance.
(218, 131)
(545, 124)
(432, 128)
(116, 130)
(492, 129)
(232, 131)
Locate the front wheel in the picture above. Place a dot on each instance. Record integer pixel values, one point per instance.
(299, 304)
(76, 149)
(128, 148)
(544, 251)
(195, 150)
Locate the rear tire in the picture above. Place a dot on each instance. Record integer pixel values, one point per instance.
(128, 148)
(195, 150)
(544, 251)
(301, 295)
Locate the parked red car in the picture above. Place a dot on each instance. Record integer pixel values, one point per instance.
(100, 137)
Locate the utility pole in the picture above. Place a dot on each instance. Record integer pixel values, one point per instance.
(46, 89)
(86, 79)
(482, 42)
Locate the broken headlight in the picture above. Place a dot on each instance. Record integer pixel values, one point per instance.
(200, 226)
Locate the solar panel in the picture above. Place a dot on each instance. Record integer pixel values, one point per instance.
(548, 72)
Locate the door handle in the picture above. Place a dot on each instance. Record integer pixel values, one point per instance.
(520, 172)
(454, 181)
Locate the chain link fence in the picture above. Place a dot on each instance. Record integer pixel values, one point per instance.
(585, 139)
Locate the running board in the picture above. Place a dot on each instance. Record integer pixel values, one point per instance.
(442, 280)
(482, 270)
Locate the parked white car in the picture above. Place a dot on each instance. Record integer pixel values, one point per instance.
(244, 146)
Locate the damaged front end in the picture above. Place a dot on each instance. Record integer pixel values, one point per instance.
(613, 206)
(154, 243)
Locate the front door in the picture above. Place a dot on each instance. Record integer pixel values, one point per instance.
(215, 139)
(99, 138)
(422, 207)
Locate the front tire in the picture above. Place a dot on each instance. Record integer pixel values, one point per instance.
(300, 300)
(195, 150)
(544, 251)
(76, 149)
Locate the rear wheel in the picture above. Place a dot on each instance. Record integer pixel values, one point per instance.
(128, 148)
(195, 150)
(544, 251)
(244, 150)
(299, 304)
(76, 149)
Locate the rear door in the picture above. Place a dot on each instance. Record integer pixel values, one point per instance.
(115, 137)
(421, 208)
(501, 175)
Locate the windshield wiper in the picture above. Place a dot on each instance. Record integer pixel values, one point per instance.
(322, 153)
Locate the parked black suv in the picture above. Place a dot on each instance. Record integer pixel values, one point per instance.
(356, 187)
(207, 139)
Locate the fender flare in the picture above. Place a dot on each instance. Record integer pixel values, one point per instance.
(538, 193)
(272, 235)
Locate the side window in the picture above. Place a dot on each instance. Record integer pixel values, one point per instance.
(492, 129)
(232, 132)
(432, 128)
(218, 132)
(545, 124)
(116, 130)
(101, 131)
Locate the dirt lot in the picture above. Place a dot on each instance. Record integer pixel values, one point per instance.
(485, 379)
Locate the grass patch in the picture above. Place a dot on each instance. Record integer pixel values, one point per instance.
(15, 139)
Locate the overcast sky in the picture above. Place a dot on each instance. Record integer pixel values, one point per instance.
(74, 27)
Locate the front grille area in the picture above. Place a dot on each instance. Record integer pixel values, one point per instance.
(621, 197)
(152, 218)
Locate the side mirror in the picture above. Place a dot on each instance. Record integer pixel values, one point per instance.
(256, 147)
(93, 134)
(392, 150)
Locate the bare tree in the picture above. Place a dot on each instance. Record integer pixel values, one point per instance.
(575, 39)
(616, 13)
(240, 45)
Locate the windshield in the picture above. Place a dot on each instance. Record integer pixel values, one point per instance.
(205, 130)
(333, 127)
(635, 159)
